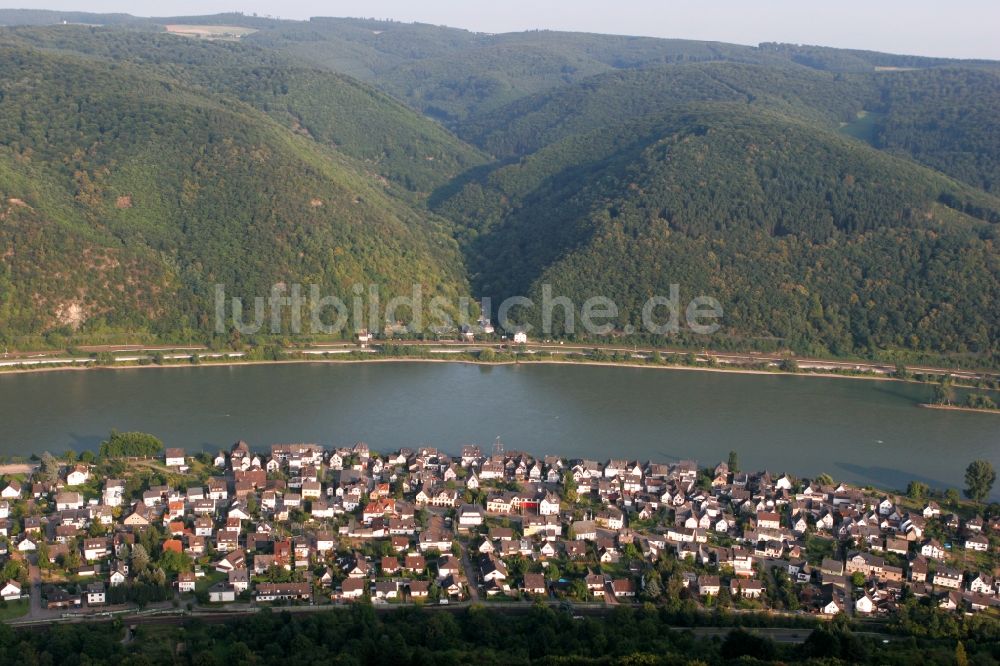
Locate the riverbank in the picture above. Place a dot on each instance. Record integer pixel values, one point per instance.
(350, 356)
(377, 358)
(472, 351)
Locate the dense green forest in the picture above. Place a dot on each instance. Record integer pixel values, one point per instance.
(333, 109)
(126, 195)
(536, 121)
(804, 236)
(834, 201)
(944, 118)
(455, 74)
(539, 635)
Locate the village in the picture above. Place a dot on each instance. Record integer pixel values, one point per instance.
(308, 525)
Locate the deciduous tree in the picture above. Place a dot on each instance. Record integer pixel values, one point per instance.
(979, 478)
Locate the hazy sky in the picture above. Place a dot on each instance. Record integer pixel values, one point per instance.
(957, 28)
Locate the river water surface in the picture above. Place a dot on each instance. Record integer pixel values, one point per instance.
(868, 432)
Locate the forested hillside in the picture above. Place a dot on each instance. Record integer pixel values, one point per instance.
(330, 108)
(455, 74)
(127, 195)
(808, 239)
(602, 101)
(945, 118)
(835, 201)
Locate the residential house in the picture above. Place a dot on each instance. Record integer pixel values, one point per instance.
(708, 586)
(174, 458)
(185, 582)
(220, 593)
(623, 587)
(96, 594)
(864, 605)
(948, 578)
(353, 588)
(11, 591)
(78, 476)
(265, 592)
(748, 589)
(11, 491)
(469, 516)
(66, 501)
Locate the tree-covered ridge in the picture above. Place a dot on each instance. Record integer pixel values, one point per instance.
(195, 189)
(946, 119)
(454, 74)
(604, 100)
(377, 46)
(493, 88)
(808, 239)
(52, 17)
(855, 60)
(334, 110)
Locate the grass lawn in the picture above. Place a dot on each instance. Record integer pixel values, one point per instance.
(14, 609)
(819, 547)
(208, 580)
(863, 126)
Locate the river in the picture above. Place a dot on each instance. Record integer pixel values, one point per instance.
(866, 432)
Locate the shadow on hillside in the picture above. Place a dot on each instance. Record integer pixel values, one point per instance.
(455, 185)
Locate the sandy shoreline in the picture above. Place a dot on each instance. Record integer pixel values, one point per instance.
(18, 468)
(959, 408)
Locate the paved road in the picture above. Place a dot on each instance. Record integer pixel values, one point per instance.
(35, 575)
(470, 574)
(609, 594)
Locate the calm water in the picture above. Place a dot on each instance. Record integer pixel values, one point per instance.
(860, 431)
